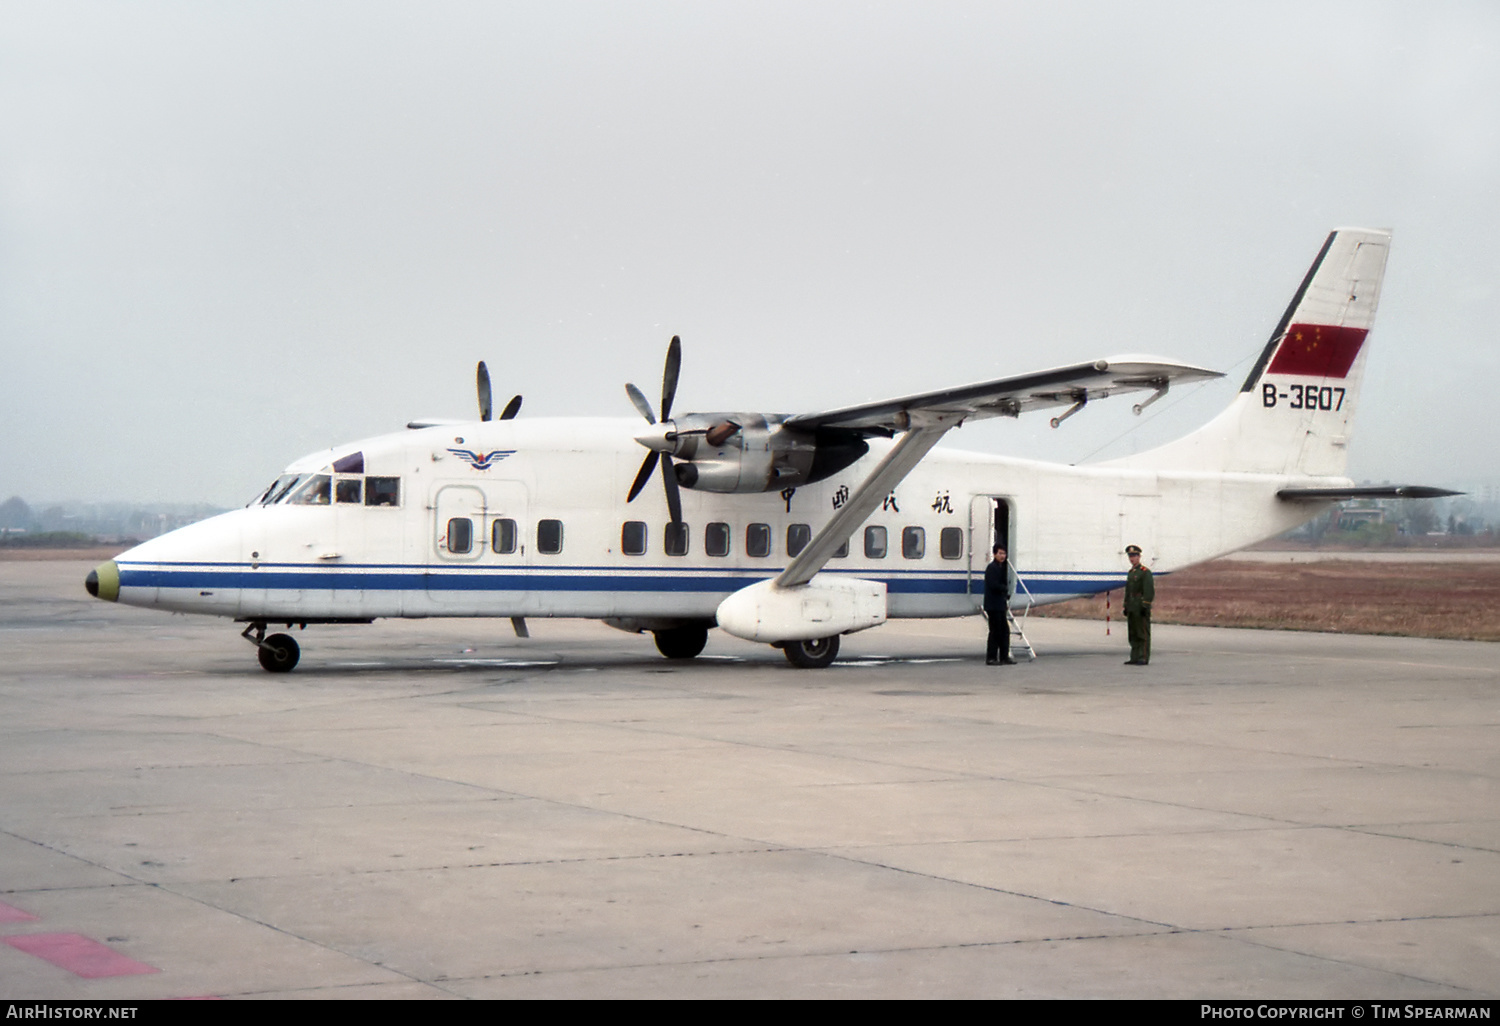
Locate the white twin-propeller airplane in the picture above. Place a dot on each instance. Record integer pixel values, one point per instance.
(791, 530)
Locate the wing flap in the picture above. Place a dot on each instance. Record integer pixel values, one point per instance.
(1010, 397)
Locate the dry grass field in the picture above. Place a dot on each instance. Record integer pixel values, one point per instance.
(1451, 599)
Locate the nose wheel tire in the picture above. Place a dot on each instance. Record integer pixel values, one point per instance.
(813, 654)
(279, 653)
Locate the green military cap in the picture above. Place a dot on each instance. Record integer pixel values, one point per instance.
(1132, 550)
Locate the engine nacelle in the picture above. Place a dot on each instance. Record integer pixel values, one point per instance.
(756, 452)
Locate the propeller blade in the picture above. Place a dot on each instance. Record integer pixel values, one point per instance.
(669, 376)
(483, 381)
(674, 497)
(642, 476)
(668, 393)
(640, 403)
(511, 409)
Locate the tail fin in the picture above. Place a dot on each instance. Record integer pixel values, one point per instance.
(1293, 412)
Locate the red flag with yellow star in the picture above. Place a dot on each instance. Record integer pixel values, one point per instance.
(1317, 350)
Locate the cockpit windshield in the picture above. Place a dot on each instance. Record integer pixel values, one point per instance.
(324, 489)
(263, 497)
(312, 490)
(276, 491)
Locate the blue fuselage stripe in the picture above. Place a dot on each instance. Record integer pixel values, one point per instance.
(583, 580)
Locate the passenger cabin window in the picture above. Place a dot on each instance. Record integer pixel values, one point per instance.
(503, 536)
(382, 491)
(675, 538)
(347, 489)
(549, 537)
(758, 540)
(842, 552)
(875, 542)
(951, 543)
(797, 537)
(633, 538)
(460, 536)
(913, 542)
(716, 540)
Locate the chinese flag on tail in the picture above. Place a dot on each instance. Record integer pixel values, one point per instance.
(1317, 351)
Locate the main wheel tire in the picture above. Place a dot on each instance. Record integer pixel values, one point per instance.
(681, 642)
(813, 654)
(279, 653)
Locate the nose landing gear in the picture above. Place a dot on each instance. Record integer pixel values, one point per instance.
(278, 653)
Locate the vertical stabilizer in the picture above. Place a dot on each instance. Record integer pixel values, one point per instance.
(1292, 414)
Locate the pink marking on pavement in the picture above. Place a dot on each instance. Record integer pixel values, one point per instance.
(11, 914)
(78, 955)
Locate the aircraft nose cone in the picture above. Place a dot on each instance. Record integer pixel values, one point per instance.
(103, 582)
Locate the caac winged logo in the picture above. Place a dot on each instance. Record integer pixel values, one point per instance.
(482, 460)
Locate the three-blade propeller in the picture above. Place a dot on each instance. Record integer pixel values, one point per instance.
(668, 435)
(486, 403)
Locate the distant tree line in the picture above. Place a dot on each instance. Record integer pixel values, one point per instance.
(87, 523)
(1403, 523)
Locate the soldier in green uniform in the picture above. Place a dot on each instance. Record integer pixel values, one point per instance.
(1140, 592)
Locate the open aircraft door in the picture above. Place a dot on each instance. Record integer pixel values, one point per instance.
(990, 524)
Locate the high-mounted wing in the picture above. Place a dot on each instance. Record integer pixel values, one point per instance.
(925, 418)
(1010, 397)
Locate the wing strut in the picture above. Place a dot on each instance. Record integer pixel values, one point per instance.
(905, 455)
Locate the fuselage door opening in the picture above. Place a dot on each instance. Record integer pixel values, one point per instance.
(990, 524)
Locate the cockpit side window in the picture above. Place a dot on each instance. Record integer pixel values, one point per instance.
(346, 489)
(382, 491)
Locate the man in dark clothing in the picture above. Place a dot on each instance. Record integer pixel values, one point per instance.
(996, 608)
(1140, 592)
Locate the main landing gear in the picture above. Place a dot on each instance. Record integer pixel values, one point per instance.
(686, 642)
(812, 654)
(681, 642)
(278, 653)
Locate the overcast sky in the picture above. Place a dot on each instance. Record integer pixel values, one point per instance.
(234, 233)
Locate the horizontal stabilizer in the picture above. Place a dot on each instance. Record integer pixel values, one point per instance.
(1372, 492)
